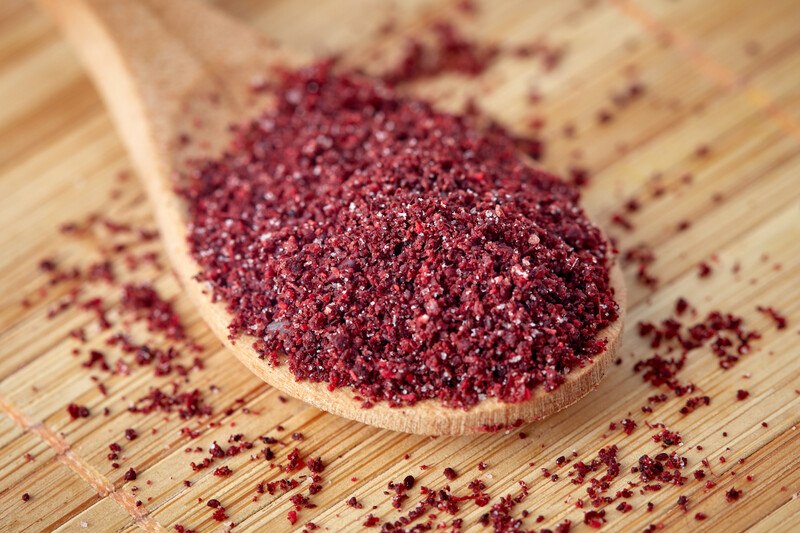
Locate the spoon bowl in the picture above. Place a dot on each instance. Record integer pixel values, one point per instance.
(175, 75)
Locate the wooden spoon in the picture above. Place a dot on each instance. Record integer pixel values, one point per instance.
(171, 68)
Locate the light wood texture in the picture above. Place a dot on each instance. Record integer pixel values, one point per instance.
(59, 155)
(161, 66)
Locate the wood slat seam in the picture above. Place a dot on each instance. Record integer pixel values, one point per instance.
(99, 483)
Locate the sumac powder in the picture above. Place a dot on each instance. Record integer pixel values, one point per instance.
(369, 241)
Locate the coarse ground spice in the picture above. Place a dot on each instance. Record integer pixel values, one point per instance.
(742, 394)
(444, 49)
(724, 333)
(720, 332)
(384, 246)
(778, 318)
(450, 52)
(77, 411)
(123, 356)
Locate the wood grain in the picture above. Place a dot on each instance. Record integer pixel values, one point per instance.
(59, 156)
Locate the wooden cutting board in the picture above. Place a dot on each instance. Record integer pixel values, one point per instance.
(722, 104)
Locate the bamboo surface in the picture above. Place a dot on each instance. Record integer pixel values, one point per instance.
(718, 74)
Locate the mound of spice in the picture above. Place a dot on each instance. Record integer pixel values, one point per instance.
(372, 242)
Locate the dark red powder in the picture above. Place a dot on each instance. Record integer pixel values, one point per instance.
(724, 333)
(579, 177)
(77, 411)
(594, 519)
(147, 304)
(642, 257)
(668, 438)
(450, 474)
(620, 220)
(564, 527)
(628, 425)
(779, 319)
(683, 503)
(223, 471)
(624, 507)
(704, 270)
(384, 246)
(662, 467)
(354, 503)
(500, 515)
(733, 495)
(188, 404)
(451, 52)
(693, 403)
(742, 394)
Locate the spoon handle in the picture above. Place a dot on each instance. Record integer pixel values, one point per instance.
(151, 61)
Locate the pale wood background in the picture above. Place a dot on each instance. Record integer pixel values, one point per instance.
(59, 156)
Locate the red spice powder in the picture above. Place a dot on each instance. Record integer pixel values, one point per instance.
(724, 333)
(450, 474)
(642, 257)
(447, 50)
(779, 319)
(77, 411)
(704, 269)
(742, 394)
(384, 246)
(662, 467)
(451, 52)
(146, 303)
(733, 494)
(595, 519)
(668, 438)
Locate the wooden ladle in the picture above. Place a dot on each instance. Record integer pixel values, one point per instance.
(171, 68)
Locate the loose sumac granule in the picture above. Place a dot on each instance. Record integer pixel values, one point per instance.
(779, 319)
(223, 471)
(683, 503)
(354, 503)
(742, 394)
(668, 438)
(733, 495)
(369, 241)
(77, 411)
